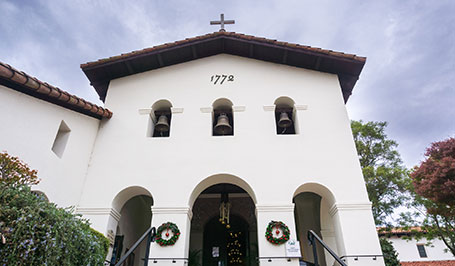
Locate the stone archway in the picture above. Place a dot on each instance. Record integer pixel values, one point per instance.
(312, 203)
(212, 238)
(218, 179)
(134, 206)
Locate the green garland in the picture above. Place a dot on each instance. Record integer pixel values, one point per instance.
(277, 240)
(171, 241)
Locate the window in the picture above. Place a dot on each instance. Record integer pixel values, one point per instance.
(160, 119)
(285, 116)
(422, 251)
(40, 194)
(222, 118)
(63, 133)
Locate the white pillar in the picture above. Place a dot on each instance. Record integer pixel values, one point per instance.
(164, 255)
(104, 220)
(267, 250)
(356, 234)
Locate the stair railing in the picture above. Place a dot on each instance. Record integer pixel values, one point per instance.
(312, 236)
(150, 234)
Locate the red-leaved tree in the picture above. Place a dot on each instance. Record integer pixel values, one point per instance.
(433, 187)
(434, 179)
(15, 172)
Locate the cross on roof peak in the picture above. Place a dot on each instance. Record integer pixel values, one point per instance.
(222, 22)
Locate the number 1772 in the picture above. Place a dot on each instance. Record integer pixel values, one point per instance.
(220, 79)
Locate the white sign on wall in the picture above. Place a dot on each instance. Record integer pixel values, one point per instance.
(293, 249)
(111, 237)
(215, 252)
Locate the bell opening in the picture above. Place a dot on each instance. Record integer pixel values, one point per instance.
(284, 121)
(163, 124)
(223, 123)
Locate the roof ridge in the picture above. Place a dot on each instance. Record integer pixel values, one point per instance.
(51, 93)
(224, 33)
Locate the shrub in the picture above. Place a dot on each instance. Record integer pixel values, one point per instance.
(389, 252)
(37, 232)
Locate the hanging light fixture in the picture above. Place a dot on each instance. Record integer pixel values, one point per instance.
(225, 209)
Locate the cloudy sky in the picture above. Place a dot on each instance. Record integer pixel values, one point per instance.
(408, 80)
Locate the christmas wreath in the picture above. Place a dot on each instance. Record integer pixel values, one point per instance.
(168, 241)
(280, 235)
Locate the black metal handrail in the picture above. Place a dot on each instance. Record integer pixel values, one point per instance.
(356, 257)
(313, 236)
(173, 260)
(269, 258)
(150, 234)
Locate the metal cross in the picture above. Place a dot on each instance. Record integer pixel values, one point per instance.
(222, 22)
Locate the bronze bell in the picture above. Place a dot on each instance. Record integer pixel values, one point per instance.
(222, 126)
(284, 121)
(162, 125)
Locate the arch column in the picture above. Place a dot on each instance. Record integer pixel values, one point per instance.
(265, 214)
(354, 226)
(101, 219)
(104, 220)
(181, 216)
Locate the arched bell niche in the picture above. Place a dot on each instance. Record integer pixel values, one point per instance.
(160, 119)
(222, 118)
(285, 116)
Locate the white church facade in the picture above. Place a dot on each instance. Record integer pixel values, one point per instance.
(219, 134)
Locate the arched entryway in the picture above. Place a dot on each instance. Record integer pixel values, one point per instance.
(312, 204)
(230, 246)
(134, 205)
(224, 226)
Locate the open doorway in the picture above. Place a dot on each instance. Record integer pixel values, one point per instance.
(224, 227)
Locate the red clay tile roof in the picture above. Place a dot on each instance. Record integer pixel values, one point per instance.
(429, 263)
(232, 34)
(346, 66)
(20, 81)
(398, 231)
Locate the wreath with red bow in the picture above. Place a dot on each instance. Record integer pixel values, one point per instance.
(275, 228)
(167, 227)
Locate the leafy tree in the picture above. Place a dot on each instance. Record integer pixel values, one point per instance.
(433, 188)
(34, 231)
(384, 175)
(15, 172)
(434, 179)
(389, 252)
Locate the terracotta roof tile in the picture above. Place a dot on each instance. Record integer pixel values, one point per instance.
(398, 230)
(429, 263)
(47, 92)
(232, 34)
(347, 66)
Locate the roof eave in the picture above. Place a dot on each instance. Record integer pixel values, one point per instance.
(346, 66)
(22, 82)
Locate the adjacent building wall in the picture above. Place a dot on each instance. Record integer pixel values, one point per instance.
(28, 129)
(407, 249)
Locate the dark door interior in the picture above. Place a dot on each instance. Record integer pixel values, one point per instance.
(226, 246)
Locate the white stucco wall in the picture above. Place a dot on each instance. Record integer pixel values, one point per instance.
(323, 152)
(273, 166)
(28, 129)
(407, 249)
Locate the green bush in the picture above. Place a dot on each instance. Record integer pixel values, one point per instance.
(37, 232)
(389, 252)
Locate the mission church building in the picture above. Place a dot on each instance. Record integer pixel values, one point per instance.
(233, 146)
